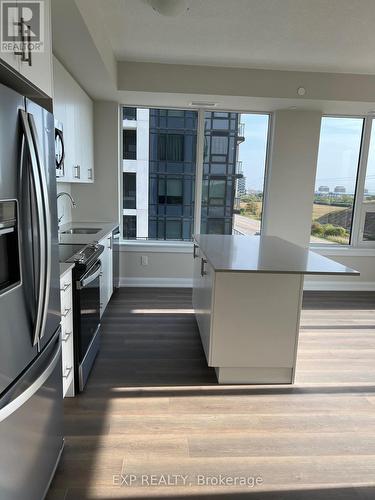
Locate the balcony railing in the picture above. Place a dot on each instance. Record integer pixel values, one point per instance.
(241, 130)
(239, 168)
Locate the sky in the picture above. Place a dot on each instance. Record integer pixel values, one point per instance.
(337, 158)
(253, 151)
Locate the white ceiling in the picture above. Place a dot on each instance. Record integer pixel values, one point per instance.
(307, 35)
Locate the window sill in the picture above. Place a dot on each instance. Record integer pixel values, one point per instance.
(343, 251)
(156, 246)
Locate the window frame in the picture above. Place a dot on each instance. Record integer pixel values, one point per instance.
(183, 244)
(358, 217)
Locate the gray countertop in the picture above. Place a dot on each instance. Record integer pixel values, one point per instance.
(105, 228)
(269, 254)
(65, 267)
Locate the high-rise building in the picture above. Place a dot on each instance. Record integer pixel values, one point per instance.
(159, 162)
(223, 133)
(172, 162)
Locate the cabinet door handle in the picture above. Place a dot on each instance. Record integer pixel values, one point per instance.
(29, 61)
(89, 173)
(68, 371)
(203, 270)
(21, 26)
(67, 336)
(65, 287)
(77, 174)
(66, 312)
(195, 254)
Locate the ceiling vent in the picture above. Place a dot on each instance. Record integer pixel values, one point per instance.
(203, 104)
(169, 8)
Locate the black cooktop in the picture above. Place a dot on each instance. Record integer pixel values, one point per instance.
(80, 254)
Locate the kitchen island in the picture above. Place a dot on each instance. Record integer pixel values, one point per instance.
(247, 297)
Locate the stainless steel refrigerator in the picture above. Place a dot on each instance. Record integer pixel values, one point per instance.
(31, 410)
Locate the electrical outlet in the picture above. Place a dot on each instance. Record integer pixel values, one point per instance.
(144, 260)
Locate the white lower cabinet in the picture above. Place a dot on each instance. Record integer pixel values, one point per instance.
(67, 334)
(106, 278)
(202, 297)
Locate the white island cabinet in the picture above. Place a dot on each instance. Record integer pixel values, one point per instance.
(247, 297)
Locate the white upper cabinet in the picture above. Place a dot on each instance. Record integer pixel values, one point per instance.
(34, 65)
(74, 109)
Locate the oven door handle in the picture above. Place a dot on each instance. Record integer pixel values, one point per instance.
(91, 276)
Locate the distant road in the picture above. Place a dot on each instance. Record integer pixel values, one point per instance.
(251, 226)
(246, 225)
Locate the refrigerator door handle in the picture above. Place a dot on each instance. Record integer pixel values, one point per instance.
(47, 222)
(20, 400)
(27, 137)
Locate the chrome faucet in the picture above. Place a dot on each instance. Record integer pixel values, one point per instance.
(73, 203)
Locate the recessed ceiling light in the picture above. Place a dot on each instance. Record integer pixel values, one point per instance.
(169, 8)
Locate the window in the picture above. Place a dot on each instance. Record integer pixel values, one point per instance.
(336, 180)
(129, 113)
(171, 147)
(216, 226)
(130, 226)
(173, 230)
(130, 144)
(170, 191)
(366, 211)
(129, 180)
(234, 166)
(234, 158)
(166, 140)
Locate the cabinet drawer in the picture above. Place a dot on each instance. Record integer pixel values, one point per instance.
(67, 375)
(67, 334)
(67, 352)
(66, 295)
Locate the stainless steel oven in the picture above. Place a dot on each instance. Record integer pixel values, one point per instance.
(86, 306)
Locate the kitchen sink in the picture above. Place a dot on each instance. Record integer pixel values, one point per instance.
(82, 230)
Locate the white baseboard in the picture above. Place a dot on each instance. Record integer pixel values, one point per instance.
(157, 282)
(352, 286)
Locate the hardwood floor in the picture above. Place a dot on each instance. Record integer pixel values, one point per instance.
(153, 407)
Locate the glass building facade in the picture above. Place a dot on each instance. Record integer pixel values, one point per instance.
(222, 135)
(172, 161)
(171, 173)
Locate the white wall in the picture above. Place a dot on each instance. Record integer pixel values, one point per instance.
(165, 268)
(366, 281)
(64, 206)
(100, 201)
(225, 81)
(291, 175)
